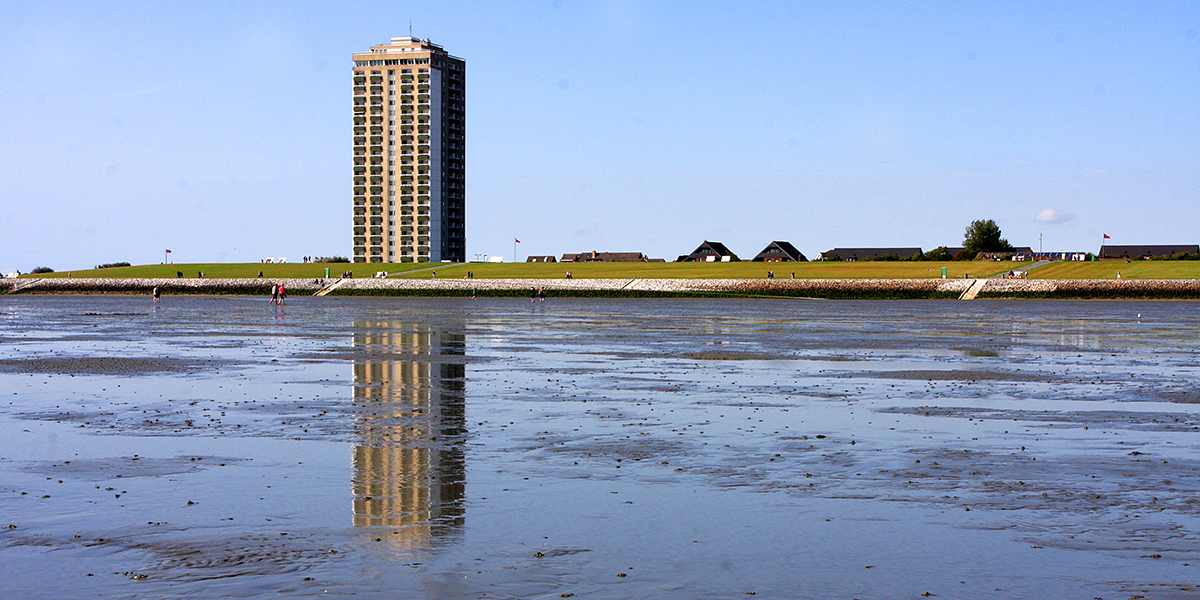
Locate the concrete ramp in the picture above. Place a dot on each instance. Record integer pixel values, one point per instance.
(22, 284)
(329, 288)
(976, 287)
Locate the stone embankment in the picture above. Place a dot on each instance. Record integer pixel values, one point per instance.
(820, 288)
(79, 285)
(789, 288)
(1124, 289)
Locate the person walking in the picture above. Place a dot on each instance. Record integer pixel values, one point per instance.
(156, 293)
(282, 294)
(532, 295)
(542, 294)
(274, 293)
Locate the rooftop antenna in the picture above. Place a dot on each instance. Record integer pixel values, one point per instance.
(410, 28)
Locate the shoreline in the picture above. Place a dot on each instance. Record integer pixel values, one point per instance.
(849, 289)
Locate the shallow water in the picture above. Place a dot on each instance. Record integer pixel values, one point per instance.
(449, 448)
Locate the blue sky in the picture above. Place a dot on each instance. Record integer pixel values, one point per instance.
(221, 130)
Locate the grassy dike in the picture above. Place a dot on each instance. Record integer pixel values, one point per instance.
(659, 270)
(870, 280)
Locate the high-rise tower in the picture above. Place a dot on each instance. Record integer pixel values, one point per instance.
(409, 153)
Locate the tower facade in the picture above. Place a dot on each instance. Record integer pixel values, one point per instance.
(409, 153)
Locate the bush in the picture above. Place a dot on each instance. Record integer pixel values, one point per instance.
(111, 265)
(338, 259)
(42, 270)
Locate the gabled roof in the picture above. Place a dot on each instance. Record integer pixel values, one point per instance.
(717, 250)
(866, 253)
(781, 250)
(1109, 251)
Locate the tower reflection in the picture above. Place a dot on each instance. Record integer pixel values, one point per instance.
(409, 468)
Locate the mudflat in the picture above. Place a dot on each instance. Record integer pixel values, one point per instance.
(382, 447)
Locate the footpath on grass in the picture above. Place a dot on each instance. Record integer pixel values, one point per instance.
(630, 288)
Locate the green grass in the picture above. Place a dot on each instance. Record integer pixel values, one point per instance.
(239, 270)
(738, 270)
(1107, 269)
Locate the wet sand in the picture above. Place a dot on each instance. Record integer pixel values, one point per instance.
(449, 448)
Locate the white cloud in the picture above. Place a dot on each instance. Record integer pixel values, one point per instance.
(1053, 215)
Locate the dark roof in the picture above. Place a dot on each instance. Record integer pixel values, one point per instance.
(540, 259)
(1021, 250)
(605, 257)
(781, 250)
(1108, 251)
(706, 250)
(865, 253)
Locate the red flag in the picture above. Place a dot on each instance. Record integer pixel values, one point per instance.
(518, 241)
(1106, 237)
(168, 251)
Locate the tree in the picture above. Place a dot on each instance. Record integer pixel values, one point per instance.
(939, 253)
(984, 236)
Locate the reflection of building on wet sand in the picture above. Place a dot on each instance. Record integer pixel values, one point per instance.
(409, 468)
